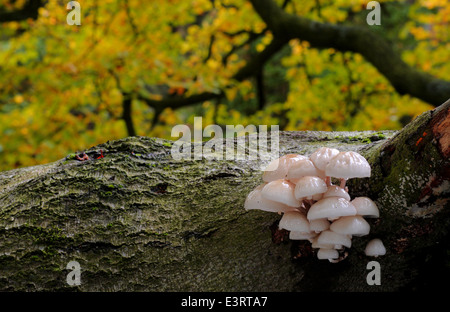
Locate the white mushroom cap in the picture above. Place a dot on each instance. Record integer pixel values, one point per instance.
(281, 191)
(375, 248)
(294, 235)
(351, 225)
(294, 221)
(336, 191)
(346, 165)
(279, 168)
(327, 253)
(303, 168)
(332, 238)
(322, 156)
(315, 244)
(255, 200)
(309, 186)
(331, 208)
(365, 207)
(319, 225)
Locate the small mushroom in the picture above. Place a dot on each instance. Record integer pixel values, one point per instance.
(331, 208)
(315, 244)
(336, 191)
(319, 225)
(332, 238)
(375, 248)
(281, 191)
(351, 225)
(347, 165)
(294, 221)
(308, 186)
(279, 168)
(303, 168)
(255, 200)
(327, 253)
(365, 207)
(322, 156)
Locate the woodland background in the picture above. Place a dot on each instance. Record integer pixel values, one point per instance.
(141, 67)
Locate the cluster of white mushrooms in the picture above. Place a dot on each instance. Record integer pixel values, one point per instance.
(301, 189)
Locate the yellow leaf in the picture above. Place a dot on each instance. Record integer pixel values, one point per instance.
(260, 47)
(291, 72)
(18, 99)
(231, 94)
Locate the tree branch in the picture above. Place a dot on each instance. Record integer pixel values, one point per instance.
(127, 101)
(210, 47)
(284, 26)
(179, 101)
(375, 49)
(259, 77)
(252, 36)
(127, 114)
(258, 60)
(251, 69)
(133, 26)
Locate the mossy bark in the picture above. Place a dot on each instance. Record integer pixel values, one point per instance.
(138, 220)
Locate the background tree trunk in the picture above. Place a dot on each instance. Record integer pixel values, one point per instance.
(138, 220)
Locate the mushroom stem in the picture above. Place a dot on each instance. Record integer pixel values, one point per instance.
(328, 180)
(343, 181)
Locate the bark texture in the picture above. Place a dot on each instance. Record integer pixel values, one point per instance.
(138, 220)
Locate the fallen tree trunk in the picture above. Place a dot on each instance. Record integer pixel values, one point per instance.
(138, 220)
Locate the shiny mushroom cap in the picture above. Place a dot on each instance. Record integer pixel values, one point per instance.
(336, 191)
(375, 248)
(351, 225)
(308, 186)
(281, 191)
(331, 238)
(331, 208)
(327, 253)
(303, 168)
(322, 156)
(315, 244)
(365, 207)
(294, 221)
(347, 165)
(255, 200)
(279, 168)
(319, 225)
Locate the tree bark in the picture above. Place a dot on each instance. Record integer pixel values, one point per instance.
(139, 220)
